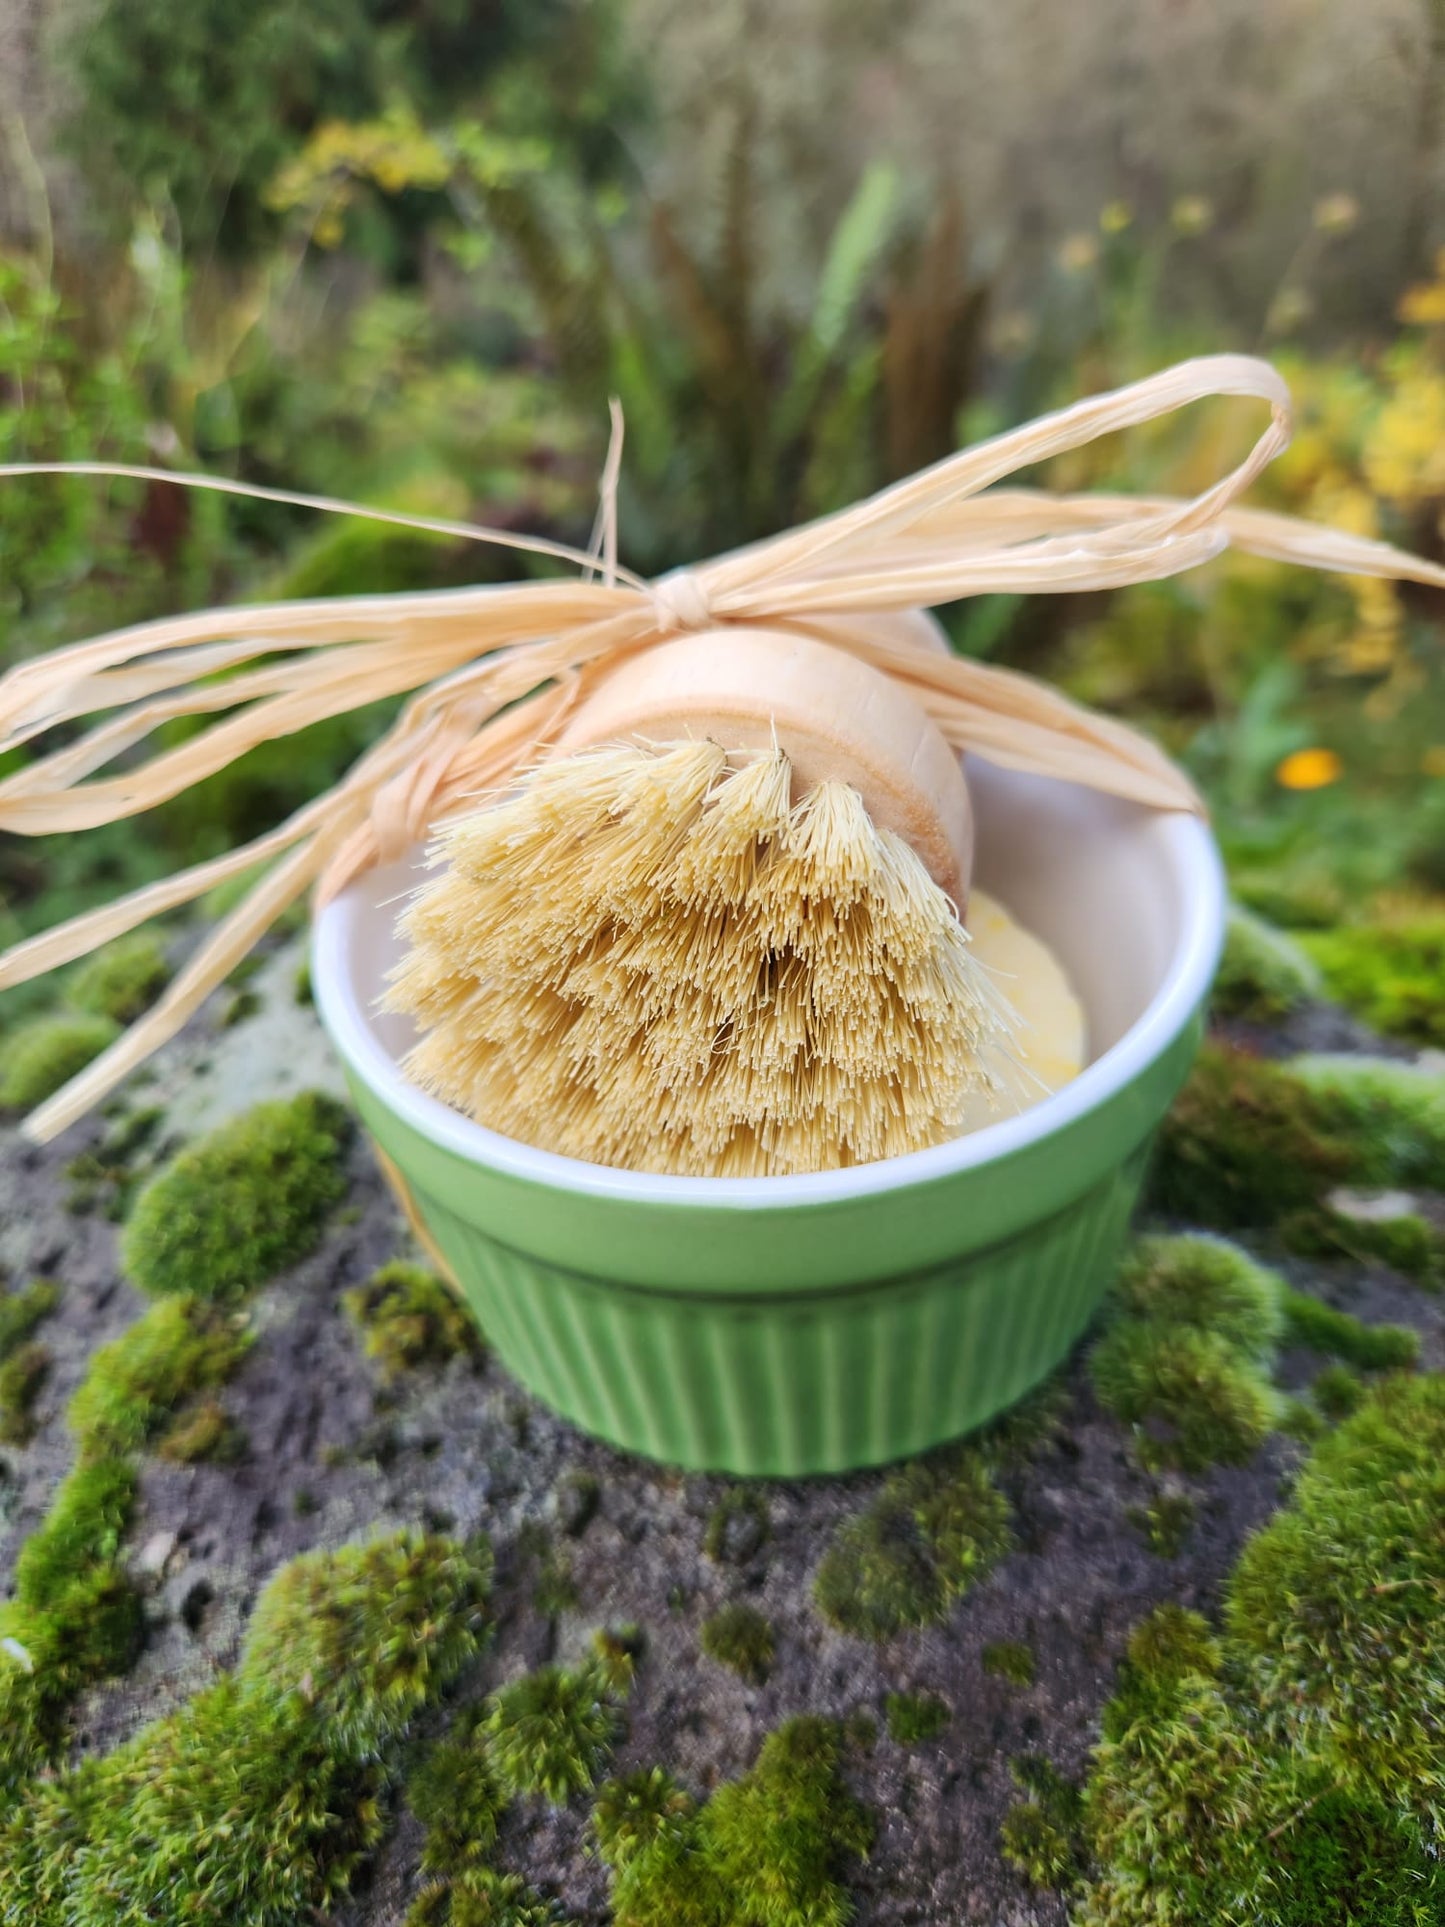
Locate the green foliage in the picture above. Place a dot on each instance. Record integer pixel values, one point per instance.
(1010, 1659)
(142, 1379)
(1389, 973)
(22, 1311)
(1186, 1356)
(740, 1637)
(250, 1199)
(367, 1635)
(454, 1794)
(1040, 1835)
(1374, 1348)
(408, 1317)
(22, 1376)
(122, 981)
(934, 1530)
(915, 1717)
(550, 1732)
(737, 1527)
(1263, 974)
(765, 1851)
(1337, 1391)
(38, 1058)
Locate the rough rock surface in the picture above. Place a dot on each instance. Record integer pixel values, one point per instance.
(334, 1454)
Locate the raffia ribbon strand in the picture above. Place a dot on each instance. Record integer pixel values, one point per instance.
(498, 669)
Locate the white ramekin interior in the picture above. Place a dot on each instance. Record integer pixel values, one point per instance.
(1131, 900)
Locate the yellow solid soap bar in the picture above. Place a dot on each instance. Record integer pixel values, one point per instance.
(1051, 1041)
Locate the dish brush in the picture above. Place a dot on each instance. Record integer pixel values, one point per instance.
(720, 932)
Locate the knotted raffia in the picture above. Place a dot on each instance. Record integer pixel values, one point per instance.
(652, 959)
(498, 670)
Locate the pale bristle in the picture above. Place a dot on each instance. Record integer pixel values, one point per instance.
(655, 959)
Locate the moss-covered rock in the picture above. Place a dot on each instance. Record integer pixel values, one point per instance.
(739, 1636)
(250, 1199)
(408, 1317)
(134, 1386)
(1320, 1327)
(1390, 974)
(39, 1057)
(1263, 974)
(123, 980)
(933, 1531)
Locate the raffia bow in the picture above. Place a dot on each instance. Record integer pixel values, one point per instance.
(499, 669)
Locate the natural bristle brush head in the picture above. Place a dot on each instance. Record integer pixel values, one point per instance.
(679, 957)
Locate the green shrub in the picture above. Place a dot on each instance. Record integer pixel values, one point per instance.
(250, 1199)
(1374, 1348)
(1389, 973)
(370, 1633)
(1263, 974)
(141, 1380)
(550, 1732)
(122, 981)
(41, 1056)
(934, 1530)
(915, 1717)
(408, 1317)
(738, 1636)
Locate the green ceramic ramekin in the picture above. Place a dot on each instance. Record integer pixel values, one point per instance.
(815, 1324)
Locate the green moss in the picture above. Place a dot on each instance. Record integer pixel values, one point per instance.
(22, 1311)
(1194, 1399)
(408, 1317)
(1040, 1835)
(638, 1811)
(205, 1435)
(737, 1527)
(38, 1058)
(243, 1004)
(1244, 1145)
(370, 1633)
(22, 1378)
(74, 1619)
(1166, 1522)
(1292, 1774)
(1263, 974)
(616, 1652)
(740, 1637)
(122, 981)
(140, 1381)
(106, 1177)
(915, 1717)
(1390, 974)
(765, 1851)
(1337, 1391)
(1337, 1602)
(455, 1795)
(1010, 1659)
(241, 1205)
(1392, 1115)
(1407, 1243)
(550, 1732)
(934, 1530)
(1203, 1284)
(1374, 1348)
(482, 1898)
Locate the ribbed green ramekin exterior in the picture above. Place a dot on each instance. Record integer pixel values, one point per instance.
(804, 1339)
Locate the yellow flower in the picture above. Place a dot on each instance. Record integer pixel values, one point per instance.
(1423, 306)
(1404, 458)
(1192, 214)
(1336, 213)
(1309, 769)
(1078, 254)
(1117, 216)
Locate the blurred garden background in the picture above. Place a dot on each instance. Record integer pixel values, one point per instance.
(403, 251)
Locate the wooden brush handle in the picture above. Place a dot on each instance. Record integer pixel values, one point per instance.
(835, 718)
